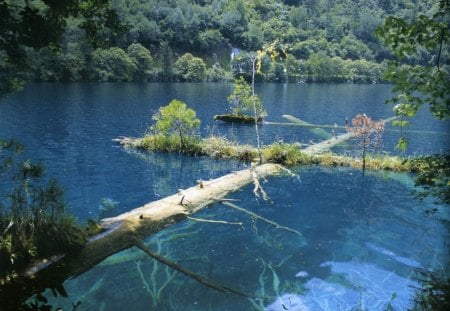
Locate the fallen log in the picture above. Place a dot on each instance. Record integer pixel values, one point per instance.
(326, 145)
(122, 232)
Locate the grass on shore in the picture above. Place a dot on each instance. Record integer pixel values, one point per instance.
(219, 147)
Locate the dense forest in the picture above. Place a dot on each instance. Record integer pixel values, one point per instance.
(192, 40)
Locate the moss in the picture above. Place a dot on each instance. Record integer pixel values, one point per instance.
(221, 148)
(92, 228)
(287, 154)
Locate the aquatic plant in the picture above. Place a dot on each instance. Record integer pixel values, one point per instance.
(33, 222)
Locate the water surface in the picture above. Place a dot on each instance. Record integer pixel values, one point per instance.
(362, 240)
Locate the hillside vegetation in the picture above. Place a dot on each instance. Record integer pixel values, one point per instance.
(192, 40)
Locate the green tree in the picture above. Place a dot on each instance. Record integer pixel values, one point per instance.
(190, 68)
(176, 119)
(418, 81)
(166, 61)
(28, 25)
(142, 59)
(218, 74)
(209, 39)
(242, 101)
(112, 65)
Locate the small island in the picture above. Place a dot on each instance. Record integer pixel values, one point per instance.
(233, 118)
(246, 107)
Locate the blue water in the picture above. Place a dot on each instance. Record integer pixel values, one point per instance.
(361, 241)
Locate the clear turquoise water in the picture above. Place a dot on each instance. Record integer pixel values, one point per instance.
(360, 243)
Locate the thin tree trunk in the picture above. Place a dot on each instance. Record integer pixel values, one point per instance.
(258, 144)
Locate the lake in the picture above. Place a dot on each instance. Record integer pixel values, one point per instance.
(362, 239)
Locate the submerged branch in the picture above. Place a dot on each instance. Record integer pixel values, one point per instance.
(278, 226)
(215, 221)
(201, 279)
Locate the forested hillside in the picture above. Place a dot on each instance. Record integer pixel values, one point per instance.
(192, 40)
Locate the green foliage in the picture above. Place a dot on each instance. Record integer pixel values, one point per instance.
(143, 61)
(176, 119)
(166, 61)
(220, 147)
(340, 30)
(209, 39)
(171, 143)
(322, 68)
(217, 74)
(242, 101)
(421, 72)
(286, 154)
(112, 65)
(26, 25)
(190, 68)
(33, 222)
(433, 177)
(434, 293)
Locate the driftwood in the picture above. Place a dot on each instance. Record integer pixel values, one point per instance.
(123, 232)
(234, 118)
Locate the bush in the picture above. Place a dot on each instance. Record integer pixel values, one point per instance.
(282, 153)
(112, 65)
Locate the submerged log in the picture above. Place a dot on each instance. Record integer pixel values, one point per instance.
(234, 118)
(326, 145)
(122, 232)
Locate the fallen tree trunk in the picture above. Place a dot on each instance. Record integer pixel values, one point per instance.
(122, 232)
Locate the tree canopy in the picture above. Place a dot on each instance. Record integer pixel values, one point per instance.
(243, 102)
(176, 119)
(420, 72)
(62, 37)
(28, 25)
